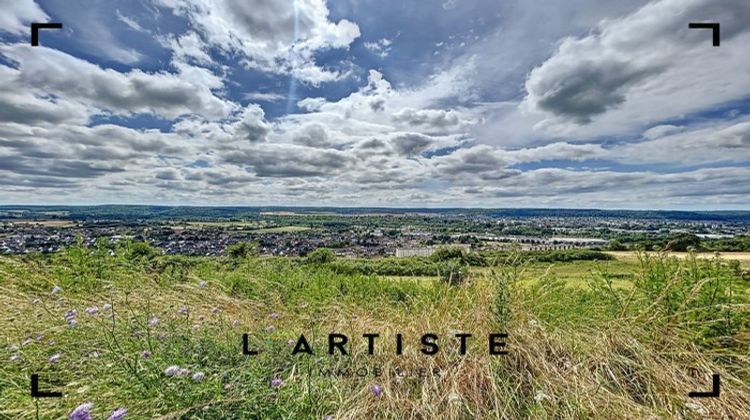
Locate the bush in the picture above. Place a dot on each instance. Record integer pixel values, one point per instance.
(454, 272)
(243, 249)
(448, 253)
(321, 256)
(142, 250)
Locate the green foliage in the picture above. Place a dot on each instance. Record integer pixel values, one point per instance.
(454, 272)
(569, 255)
(448, 253)
(682, 242)
(243, 250)
(141, 251)
(321, 256)
(702, 298)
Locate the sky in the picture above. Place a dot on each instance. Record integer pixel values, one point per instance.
(429, 103)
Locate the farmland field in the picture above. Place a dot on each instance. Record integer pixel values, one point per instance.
(162, 336)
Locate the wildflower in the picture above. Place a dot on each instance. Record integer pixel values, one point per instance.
(215, 310)
(228, 386)
(201, 317)
(376, 390)
(291, 342)
(54, 358)
(276, 383)
(106, 307)
(26, 342)
(118, 414)
(146, 354)
(270, 328)
(92, 310)
(328, 417)
(71, 314)
(37, 301)
(39, 337)
(182, 311)
(72, 323)
(199, 376)
(274, 315)
(56, 290)
(15, 357)
(94, 355)
(153, 321)
(235, 323)
(82, 412)
(172, 370)
(183, 372)
(202, 284)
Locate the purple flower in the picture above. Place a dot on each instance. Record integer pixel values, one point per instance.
(82, 412)
(106, 307)
(376, 390)
(92, 310)
(182, 311)
(183, 372)
(270, 328)
(71, 314)
(54, 358)
(153, 321)
(274, 315)
(118, 414)
(276, 383)
(173, 370)
(72, 323)
(56, 290)
(146, 354)
(199, 376)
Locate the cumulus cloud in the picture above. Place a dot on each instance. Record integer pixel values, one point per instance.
(277, 36)
(48, 71)
(642, 67)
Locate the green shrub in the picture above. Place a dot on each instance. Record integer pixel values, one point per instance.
(243, 250)
(321, 256)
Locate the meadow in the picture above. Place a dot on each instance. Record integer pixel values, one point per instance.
(123, 328)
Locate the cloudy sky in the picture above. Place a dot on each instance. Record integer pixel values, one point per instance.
(420, 103)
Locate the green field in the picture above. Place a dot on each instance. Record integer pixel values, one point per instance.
(604, 339)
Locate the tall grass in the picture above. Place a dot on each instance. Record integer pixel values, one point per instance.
(601, 351)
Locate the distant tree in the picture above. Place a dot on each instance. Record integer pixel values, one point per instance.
(142, 250)
(448, 253)
(615, 245)
(682, 242)
(321, 256)
(243, 250)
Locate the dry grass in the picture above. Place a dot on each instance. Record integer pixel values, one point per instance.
(624, 367)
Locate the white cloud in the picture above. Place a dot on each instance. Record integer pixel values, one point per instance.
(642, 68)
(170, 95)
(17, 15)
(278, 36)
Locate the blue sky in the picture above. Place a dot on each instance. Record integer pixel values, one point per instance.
(577, 103)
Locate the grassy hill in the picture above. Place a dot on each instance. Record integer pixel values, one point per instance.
(162, 337)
